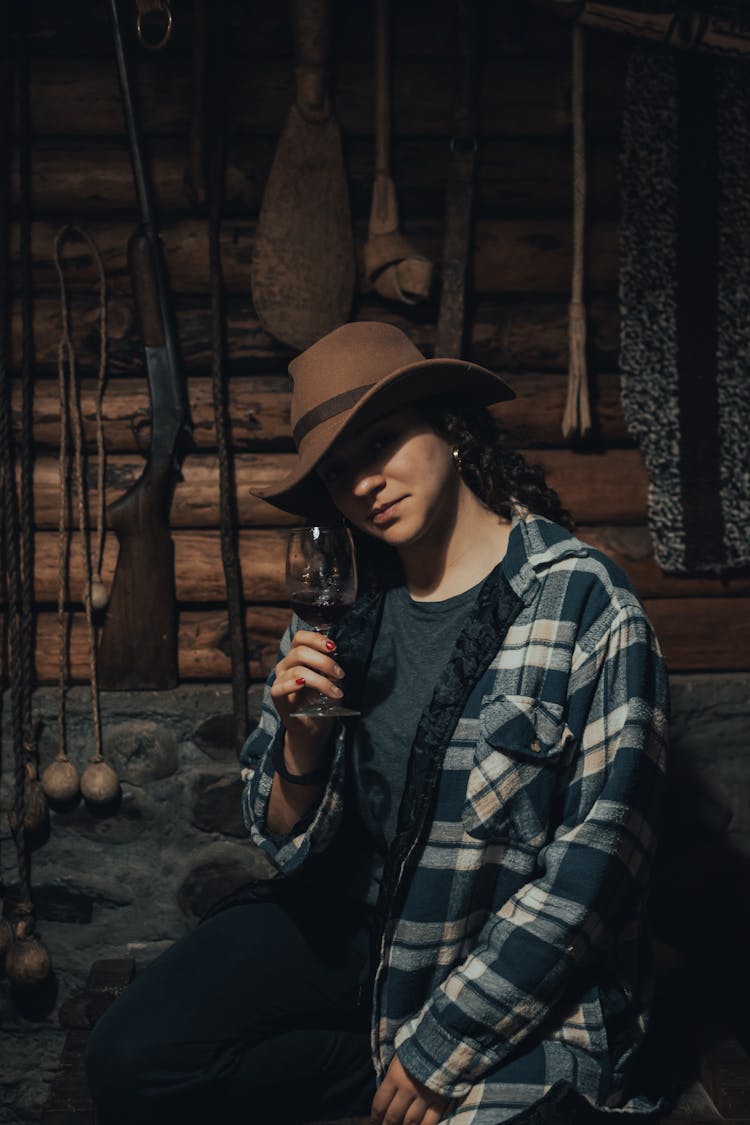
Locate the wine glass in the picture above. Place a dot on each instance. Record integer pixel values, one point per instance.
(321, 580)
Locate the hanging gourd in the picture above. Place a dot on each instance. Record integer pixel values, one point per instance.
(60, 780)
(27, 962)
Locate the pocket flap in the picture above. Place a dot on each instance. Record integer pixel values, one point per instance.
(520, 724)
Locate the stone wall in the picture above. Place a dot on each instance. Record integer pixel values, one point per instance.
(136, 880)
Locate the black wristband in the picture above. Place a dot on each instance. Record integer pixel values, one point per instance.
(316, 777)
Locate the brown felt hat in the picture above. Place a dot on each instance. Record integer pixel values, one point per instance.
(349, 378)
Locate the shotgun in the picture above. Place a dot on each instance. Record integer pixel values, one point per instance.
(138, 648)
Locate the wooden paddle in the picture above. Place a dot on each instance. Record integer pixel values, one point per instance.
(393, 266)
(303, 260)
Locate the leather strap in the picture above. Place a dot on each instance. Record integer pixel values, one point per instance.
(459, 193)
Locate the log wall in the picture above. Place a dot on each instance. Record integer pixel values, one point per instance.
(520, 279)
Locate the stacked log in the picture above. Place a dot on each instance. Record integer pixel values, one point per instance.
(519, 292)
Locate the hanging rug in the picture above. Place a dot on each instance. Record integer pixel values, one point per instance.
(685, 301)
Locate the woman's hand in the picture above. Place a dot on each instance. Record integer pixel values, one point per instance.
(308, 668)
(401, 1100)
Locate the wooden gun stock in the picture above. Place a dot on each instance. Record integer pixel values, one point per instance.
(138, 648)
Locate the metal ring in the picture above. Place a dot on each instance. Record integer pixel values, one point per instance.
(147, 43)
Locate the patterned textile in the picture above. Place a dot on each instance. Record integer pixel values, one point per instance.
(685, 302)
(512, 947)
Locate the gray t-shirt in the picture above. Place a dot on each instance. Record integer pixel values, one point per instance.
(412, 647)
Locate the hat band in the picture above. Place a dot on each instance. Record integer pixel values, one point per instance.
(329, 408)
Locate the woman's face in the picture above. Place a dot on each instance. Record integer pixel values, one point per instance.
(395, 479)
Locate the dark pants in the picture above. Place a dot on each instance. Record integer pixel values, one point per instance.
(261, 1014)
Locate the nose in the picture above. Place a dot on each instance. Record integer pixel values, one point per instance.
(367, 482)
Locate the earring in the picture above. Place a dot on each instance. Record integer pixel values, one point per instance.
(457, 458)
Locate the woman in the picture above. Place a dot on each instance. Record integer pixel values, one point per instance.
(463, 870)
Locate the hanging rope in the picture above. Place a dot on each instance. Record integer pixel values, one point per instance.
(27, 405)
(26, 961)
(577, 417)
(99, 782)
(227, 501)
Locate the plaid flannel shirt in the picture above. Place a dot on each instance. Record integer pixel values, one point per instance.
(513, 952)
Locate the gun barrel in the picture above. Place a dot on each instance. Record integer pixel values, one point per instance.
(140, 175)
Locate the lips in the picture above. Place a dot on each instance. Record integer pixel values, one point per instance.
(384, 512)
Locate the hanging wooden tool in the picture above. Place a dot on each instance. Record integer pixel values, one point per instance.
(138, 648)
(303, 260)
(394, 268)
(577, 417)
(449, 340)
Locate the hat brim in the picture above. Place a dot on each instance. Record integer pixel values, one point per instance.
(302, 493)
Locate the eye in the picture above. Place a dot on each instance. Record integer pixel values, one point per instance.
(331, 473)
(381, 440)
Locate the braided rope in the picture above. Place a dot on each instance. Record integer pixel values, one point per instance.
(227, 502)
(27, 405)
(10, 508)
(70, 400)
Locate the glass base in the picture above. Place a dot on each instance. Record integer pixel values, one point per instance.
(325, 711)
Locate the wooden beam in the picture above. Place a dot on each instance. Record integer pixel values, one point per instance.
(596, 487)
(517, 176)
(259, 411)
(703, 634)
(519, 97)
(203, 644)
(199, 576)
(711, 635)
(422, 28)
(508, 334)
(510, 256)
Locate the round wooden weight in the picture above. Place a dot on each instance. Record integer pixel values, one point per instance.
(99, 783)
(60, 781)
(27, 963)
(99, 595)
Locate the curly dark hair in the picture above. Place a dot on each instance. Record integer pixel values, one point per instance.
(500, 477)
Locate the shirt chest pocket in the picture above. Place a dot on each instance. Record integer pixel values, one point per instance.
(515, 775)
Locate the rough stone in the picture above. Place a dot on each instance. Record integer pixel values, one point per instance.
(54, 903)
(215, 737)
(216, 804)
(123, 826)
(141, 751)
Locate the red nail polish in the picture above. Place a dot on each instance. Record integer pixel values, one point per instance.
(330, 645)
(300, 680)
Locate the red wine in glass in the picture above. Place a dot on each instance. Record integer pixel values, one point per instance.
(321, 580)
(318, 611)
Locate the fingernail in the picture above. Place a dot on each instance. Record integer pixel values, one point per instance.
(330, 645)
(300, 680)
(337, 690)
